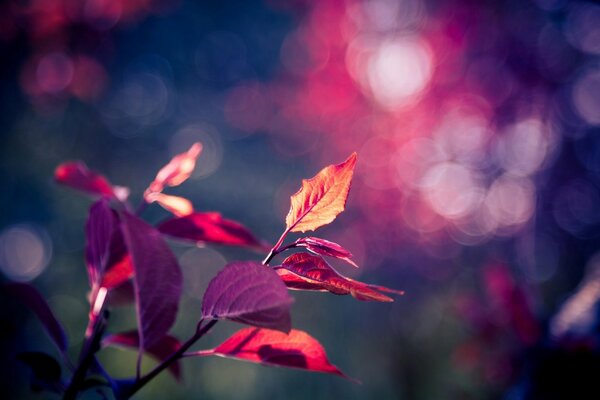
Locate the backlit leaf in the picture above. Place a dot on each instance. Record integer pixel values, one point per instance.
(210, 227)
(325, 248)
(321, 198)
(157, 279)
(250, 293)
(159, 351)
(99, 229)
(268, 347)
(30, 297)
(119, 267)
(177, 170)
(178, 206)
(76, 175)
(303, 271)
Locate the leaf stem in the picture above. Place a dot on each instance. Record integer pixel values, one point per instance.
(276, 248)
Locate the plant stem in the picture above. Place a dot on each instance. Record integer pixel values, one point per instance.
(201, 331)
(275, 250)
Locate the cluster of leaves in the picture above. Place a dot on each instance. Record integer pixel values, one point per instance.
(128, 260)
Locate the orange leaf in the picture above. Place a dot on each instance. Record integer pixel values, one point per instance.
(269, 347)
(177, 170)
(178, 206)
(321, 198)
(303, 271)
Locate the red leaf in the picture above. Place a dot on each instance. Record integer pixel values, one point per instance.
(119, 267)
(210, 227)
(77, 176)
(268, 347)
(250, 293)
(31, 298)
(302, 271)
(178, 206)
(325, 248)
(321, 198)
(157, 279)
(176, 171)
(166, 346)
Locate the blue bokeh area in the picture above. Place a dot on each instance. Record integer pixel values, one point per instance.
(476, 189)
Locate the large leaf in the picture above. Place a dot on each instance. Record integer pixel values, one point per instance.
(321, 198)
(76, 175)
(99, 228)
(210, 227)
(177, 170)
(157, 279)
(166, 346)
(45, 370)
(303, 271)
(268, 347)
(31, 298)
(250, 293)
(325, 248)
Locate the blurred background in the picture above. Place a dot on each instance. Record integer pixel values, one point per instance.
(477, 188)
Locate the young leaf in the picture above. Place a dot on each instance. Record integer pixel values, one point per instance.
(321, 198)
(157, 279)
(210, 227)
(250, 293)
(178, 206)
(159, 351)
(268, 347)
(303, 271)
(99, 229)
(325, 248)
(46, 371)
(176, 171)
(76, 175)
(31, 298)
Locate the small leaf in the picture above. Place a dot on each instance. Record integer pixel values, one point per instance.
(166, 346)
(46, 371)
(157, 279)
(31, 298)
(302, 271)
(268, 347)
(325, 248)
(250, 293)
(99, 229)
(178, 206)
(76, 175)
(210, 227)
(321, 198)
(177, 170)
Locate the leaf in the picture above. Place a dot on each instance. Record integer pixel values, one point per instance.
(303, 271)
(31, 298)
(76, 175)
(250, 293)
(268, 347)
(99, 229)
(176, 171)
(210, 227)
(119, 267)
(178, 206)
(166, 346)
(157, 279)
(321, 198)
(46, 371)
(325, 248)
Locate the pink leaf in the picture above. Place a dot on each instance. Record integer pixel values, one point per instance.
(77, 176)
(325, 248)
(209, 227)
(302, 271)
(166, 346)
(177, 170)
(157, 279)
(250, 293)
(268, 347)
(178, 206)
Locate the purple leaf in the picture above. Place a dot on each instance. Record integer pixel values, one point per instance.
(99, 228)
(157, 280)
(325, 248)
(29, 296)
(250, 293)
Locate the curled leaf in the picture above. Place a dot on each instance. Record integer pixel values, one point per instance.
(250, 293)
(268, 347)
(162, 349)
(210, 227)
(157, 279)
(321, 198)
(176, 171)
(303, 271)
(76, 175)
(325, 248)
(178, 206)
